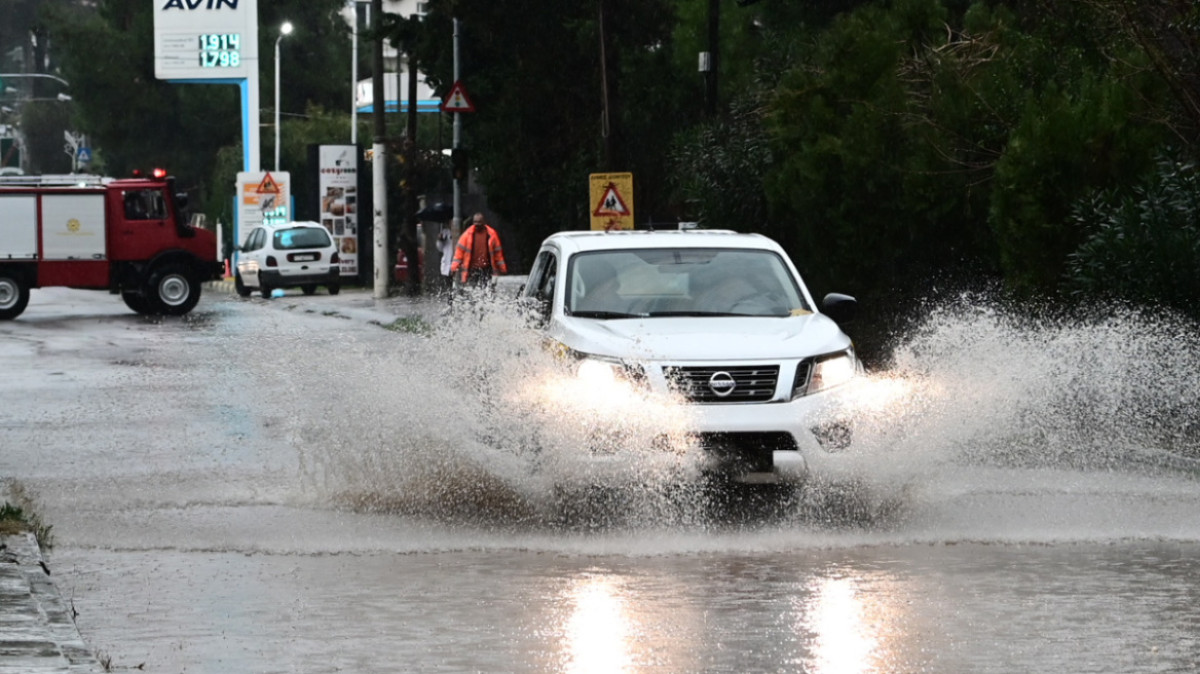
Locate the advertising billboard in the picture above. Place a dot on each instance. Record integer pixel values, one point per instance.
(338, 211)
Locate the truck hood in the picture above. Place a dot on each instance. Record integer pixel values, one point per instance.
(705, 338)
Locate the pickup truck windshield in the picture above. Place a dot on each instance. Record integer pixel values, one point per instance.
(662, 282)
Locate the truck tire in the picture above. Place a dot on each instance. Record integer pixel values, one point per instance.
(264, 290)
(138, 302)
(14, 295)
(334, 288)
(240, 287)
(173, 289)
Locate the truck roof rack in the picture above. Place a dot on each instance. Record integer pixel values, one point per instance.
(59, 180)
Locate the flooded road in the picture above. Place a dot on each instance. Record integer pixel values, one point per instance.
(274, 486)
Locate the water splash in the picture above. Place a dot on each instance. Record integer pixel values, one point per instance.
(480, 423)
(991, 385)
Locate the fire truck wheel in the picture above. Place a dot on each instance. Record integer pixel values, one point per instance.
(240, 287)
(14, 295)
(138, 302)
(174, 289)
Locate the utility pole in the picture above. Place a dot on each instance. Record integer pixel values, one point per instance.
(353, 73)
(408, 239)
(710, 61)
(605, 121)
(456, 224)
(379, 158)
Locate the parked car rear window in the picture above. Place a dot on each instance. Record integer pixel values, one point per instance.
(304, 237)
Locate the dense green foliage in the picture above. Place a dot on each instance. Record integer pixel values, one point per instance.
(1143, 244)
(888, 143)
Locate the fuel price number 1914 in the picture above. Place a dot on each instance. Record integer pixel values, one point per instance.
(220, 50)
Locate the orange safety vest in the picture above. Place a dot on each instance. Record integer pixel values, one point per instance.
(462, 252)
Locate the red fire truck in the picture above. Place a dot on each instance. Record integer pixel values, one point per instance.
(127, 236)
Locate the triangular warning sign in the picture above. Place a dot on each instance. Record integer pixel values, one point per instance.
(611, 203)
(268, 186)
(457, 100)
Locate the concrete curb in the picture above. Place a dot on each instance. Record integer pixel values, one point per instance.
(225, 286)
(37, 629)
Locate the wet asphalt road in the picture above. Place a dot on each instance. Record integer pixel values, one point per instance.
(286, 486)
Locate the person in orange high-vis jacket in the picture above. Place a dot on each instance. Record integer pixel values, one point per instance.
(478, 255)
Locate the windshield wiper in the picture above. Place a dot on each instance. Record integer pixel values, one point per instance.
(605, 314)
(694, 314)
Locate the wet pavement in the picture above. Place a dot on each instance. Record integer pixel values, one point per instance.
(294, 523)
(38, 634)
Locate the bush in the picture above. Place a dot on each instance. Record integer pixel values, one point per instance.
(1144, 244)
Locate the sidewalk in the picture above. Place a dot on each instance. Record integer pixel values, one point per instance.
(37, 629)
(360, 303)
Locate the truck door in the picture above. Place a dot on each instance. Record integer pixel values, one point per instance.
(141, 223)
(73, 240)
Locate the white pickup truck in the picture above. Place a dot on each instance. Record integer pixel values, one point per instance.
(720, 320)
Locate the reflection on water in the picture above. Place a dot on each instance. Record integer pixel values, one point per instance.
(843, 643)
(858, 620)
(597, 631)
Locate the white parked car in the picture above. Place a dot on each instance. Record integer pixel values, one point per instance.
(721, 320)
(292, 255)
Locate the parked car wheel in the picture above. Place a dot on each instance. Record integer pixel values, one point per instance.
(239, 286)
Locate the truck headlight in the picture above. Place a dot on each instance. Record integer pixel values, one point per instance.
(602, 370)
(827, 372)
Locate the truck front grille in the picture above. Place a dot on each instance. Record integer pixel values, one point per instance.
(724, 384)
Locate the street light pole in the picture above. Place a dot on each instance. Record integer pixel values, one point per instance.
(284, 30)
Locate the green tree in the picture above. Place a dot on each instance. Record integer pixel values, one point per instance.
(1085, 122)
(533, 71)
(854, 186)
(42, 124)
(1142, 242)
(136, 120)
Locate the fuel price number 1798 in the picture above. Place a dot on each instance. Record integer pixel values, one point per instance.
(220, 50)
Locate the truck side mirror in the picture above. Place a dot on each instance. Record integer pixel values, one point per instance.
(841, 308)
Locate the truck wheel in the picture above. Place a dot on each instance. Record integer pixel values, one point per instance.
(264, 290)
(334, 288)
(138, 302)
(173, 289)
(308, 289)
(240, 287)
(14, 295)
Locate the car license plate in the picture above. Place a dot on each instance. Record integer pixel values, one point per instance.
(305, 257)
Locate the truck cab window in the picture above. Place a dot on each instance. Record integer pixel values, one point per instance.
(144, 205)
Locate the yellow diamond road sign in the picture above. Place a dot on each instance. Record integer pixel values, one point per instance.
(611, 200)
